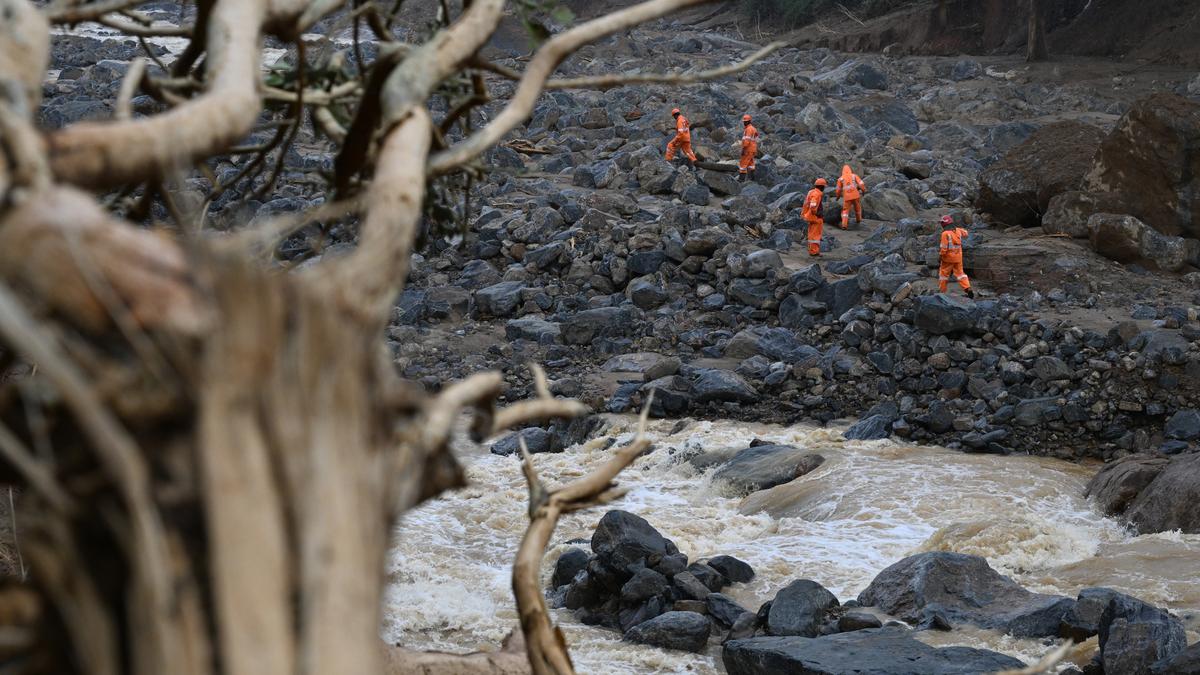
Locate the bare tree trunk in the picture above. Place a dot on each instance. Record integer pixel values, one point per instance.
(1036, 49)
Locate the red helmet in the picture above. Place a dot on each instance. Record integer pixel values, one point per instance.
(675, 111)
(947, 221)
(821, 182)
(745, 118)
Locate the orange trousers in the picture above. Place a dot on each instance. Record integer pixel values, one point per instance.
(682, 144)
(952, 268)
(746, 163)
(815, 229)
(849, 205)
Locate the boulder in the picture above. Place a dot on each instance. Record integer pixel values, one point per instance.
(623, 540)
(806, 280)
(1083, 621)
(499, 300)
(1135, 635)
(889, 650)
(646, 293)
(1051, 368)
(731, 568)
(537, 440)
(583, 327)
(763, 466)
(800, 608)
(643, 585)
(572, 561)
(855, 72)
(1169, 502)
(1119, 482)
(870, 428)
(684, 631)
(532, 329)
(724, 608)
(1017, 190)
(961, 588)
(755, 293)
(887, 204)
(762, 262)
(1068, 212)
(1150, 164)
(1184, 425)
(722, 385)
(940, 315)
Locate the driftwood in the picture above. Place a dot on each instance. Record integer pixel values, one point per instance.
(215, 452)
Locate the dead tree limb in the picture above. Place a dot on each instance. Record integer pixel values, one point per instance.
(544, 641)
(106, 154)
(541, 66)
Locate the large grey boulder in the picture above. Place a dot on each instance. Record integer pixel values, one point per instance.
(875, 651)
(961, 588)
(940, 315)
(763, 466)
(623, 540)
(1117, 484)
(800, 608)
(1170, 501)
(684, 631)
(1017, 190)
(1134, 636)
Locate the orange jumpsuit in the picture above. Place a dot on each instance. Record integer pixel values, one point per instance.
(850, 188)
(814, 214)
(682, 141)
(951, 256)
(750, 139)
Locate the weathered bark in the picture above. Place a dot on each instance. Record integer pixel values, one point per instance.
(1036, 49)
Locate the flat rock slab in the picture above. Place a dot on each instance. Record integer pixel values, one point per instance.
(875, 651)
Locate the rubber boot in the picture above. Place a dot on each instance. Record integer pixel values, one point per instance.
(970, 294)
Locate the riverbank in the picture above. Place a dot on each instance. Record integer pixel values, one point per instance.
(869, 505)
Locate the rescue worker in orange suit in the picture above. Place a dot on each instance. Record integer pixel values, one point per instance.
(951, 256)
(814, 212)
(850, 188)
(683, 138)
(750, 138)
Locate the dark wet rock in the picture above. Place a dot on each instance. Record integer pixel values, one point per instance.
(722, 385)
(688, 586)
(646, 262)
(1116, 485)
(705, 241)
(1135, 635)
(733, 569)
(940, 315)
(873, 427)
(630, 616)
(806, 280)
(643, 585)
(800, 608)
(963, 589)
(855, 620)
(1083, 621)
(712, 579)
(855, 72)
(724, 609)
(1050, 368)
(764, 466)
(583, 327)
(537, 440)
(1017, 189)
(878, 651)
(478, 274)
(572, 561)
(646, 293)
(623, 539)
(761, 262)
(840, 296)
(1169, 502)
(684, 631)
(1126, 239)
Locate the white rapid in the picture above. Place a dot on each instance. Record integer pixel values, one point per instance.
(869, 505)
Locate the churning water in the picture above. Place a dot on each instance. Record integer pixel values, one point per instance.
(869, 505)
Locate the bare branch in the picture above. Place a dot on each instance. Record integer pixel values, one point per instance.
(541, 66)
(100, 154)
(1047, 664)
(620, 80)
(39, 477)
(24, 51)
(545, 644)
(76, 13)
(129, 86)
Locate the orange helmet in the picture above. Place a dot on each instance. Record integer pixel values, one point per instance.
(745, 118)
(675, 111)
(821, 182)
(947, 220)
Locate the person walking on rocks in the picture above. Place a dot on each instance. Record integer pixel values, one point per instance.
(750, 138)
(814, 212)
(850, 189)
(951, 256)
(683, 138)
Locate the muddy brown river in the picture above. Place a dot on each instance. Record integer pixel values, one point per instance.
(869, 505)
